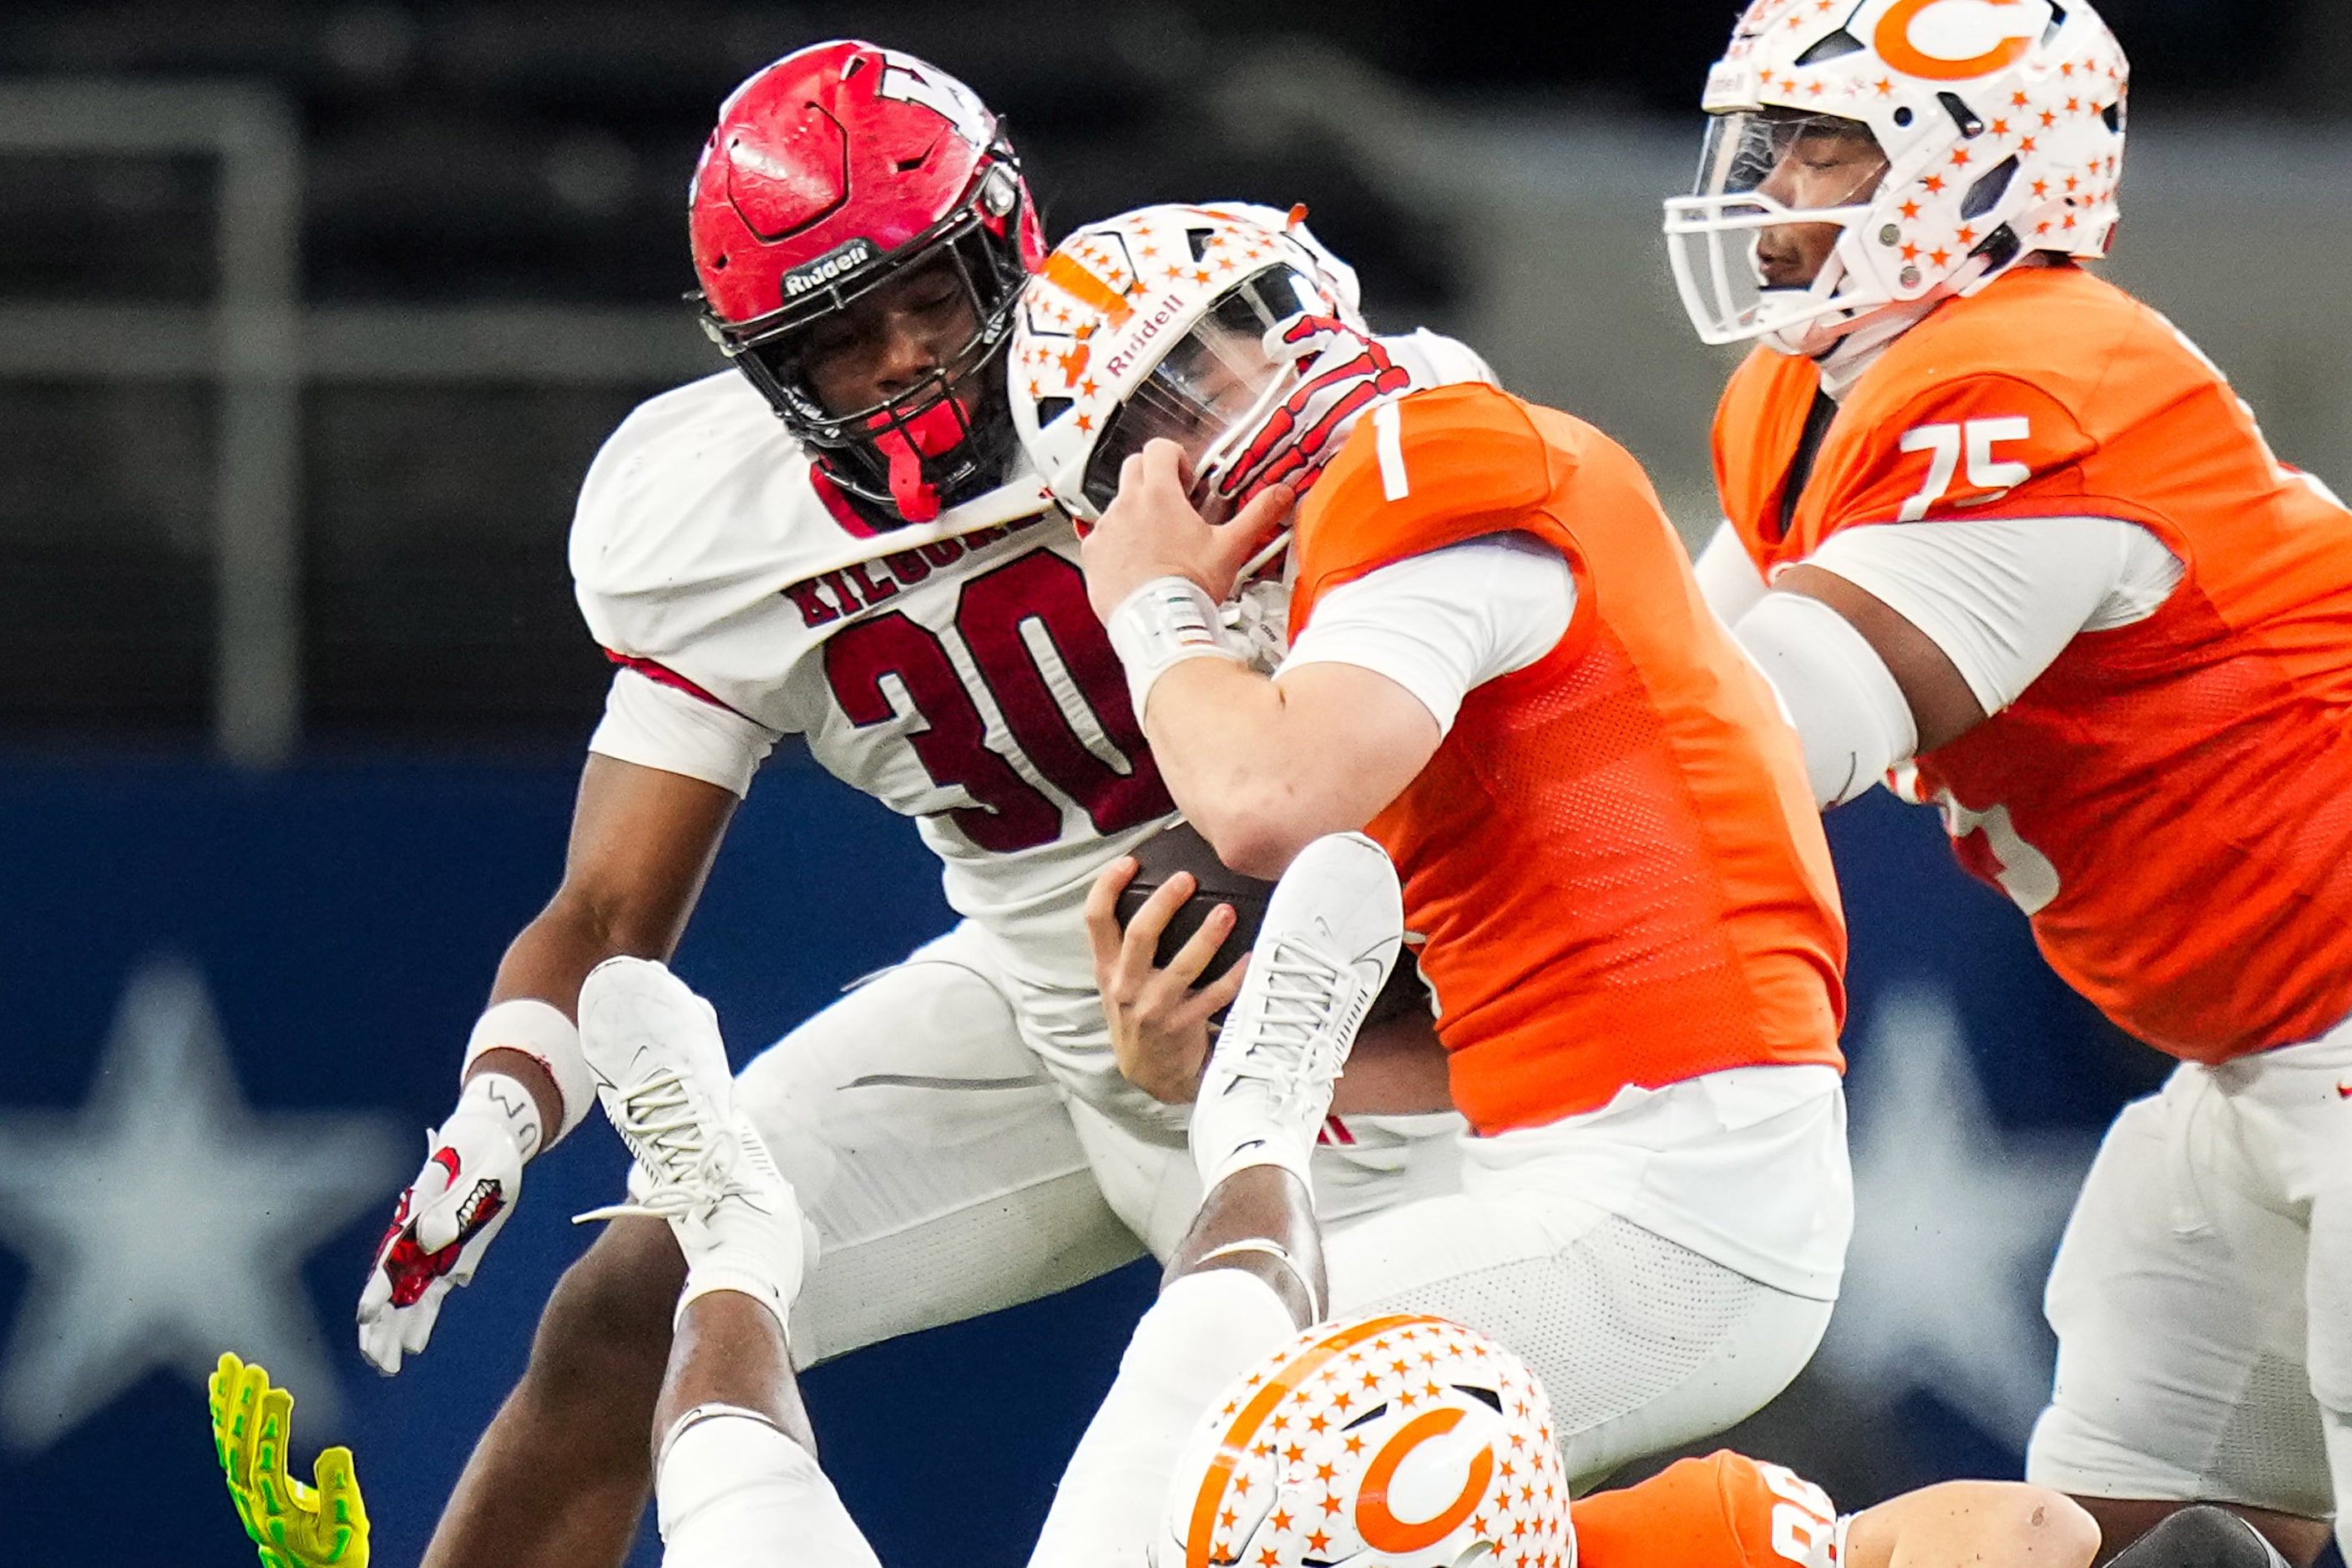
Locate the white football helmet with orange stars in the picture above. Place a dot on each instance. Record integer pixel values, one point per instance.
(1228, 329)
(2002, 126)
(1404, 1440)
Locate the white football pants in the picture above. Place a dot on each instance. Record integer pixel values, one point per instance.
(2202, 1296)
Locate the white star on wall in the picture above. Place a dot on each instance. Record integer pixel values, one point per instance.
(1955, 1223)
(165, 1223)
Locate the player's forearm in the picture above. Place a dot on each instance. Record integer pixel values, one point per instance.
(1974, 1524)
(642, 843)
(1257, 776)
(546, 962)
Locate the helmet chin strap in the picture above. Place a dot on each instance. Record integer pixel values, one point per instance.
(934, 432)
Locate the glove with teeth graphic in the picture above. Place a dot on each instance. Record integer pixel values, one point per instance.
(446, 1219)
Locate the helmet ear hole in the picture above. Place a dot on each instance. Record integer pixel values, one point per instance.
(1052, 409)
(1838, 43)
(1990, 186)
(1999, 249)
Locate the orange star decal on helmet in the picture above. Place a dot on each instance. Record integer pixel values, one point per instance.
(1224, 1471)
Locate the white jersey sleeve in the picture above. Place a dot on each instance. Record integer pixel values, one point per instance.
(1443, 624)
(2002, 597)
(1728, 578)
(655, 724)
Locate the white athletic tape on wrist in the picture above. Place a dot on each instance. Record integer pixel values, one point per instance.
(1158, 627)
(539, 1031)
(1280, 1253)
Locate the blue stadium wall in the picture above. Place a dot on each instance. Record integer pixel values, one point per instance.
(345, 921)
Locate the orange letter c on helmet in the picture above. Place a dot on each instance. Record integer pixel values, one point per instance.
(1892, 42)
(1383, 1531)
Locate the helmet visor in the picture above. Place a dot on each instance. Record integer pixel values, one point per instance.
(1751, 247)
(1223, 375)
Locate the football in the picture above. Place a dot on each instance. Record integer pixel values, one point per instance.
(1181, 847)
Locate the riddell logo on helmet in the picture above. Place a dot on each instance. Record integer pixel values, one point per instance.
(1117, 366)
(833, 263)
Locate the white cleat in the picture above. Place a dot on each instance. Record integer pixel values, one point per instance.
(1330, 935)
(661, 1073)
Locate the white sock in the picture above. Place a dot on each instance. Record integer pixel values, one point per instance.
(1241, 1133)
(728, 1269)
(1205, 1331)
(733, 1491)
(758, 1245)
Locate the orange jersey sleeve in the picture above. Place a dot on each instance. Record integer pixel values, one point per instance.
(1726, 1510)
(1958, 447)
(1441, 467)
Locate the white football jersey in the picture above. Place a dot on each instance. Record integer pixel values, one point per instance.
(953, 670)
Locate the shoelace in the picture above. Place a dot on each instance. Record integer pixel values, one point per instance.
(658, 1121)
(1304, 991)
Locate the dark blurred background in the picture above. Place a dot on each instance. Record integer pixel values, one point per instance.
(461, 248)
(311, 317)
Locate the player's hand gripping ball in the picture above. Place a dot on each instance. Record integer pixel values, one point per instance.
(295, 1525)
(444, 1221)
(1169, 962)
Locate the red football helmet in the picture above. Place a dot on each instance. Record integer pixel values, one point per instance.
(832, 171)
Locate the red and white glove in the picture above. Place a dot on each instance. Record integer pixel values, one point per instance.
(447, 1217)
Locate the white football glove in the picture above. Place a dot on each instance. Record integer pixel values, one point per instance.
(449, 1215)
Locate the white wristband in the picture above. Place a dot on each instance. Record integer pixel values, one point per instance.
(539, 1031)
(1161, 625)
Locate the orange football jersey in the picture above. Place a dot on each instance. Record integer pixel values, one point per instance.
(2171, 801)
(1726, 1510)
(1613, 855)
